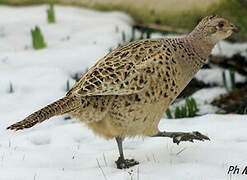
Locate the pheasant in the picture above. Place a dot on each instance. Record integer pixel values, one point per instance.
(126, 92)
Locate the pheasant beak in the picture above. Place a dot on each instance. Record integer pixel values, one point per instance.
(235, 28)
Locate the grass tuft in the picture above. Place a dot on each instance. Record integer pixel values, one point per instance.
(67, 86)
(51, 18)
(190, 109)
(11, 88)
(37, 38)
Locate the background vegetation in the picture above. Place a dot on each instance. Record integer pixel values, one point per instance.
(175, 13)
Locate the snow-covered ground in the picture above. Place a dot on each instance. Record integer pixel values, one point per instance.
(62, 149)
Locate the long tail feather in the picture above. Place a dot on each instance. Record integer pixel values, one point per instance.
(59, 107)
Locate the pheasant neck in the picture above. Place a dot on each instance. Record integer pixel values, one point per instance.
(200, 43)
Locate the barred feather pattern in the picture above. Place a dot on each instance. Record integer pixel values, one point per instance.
(59, 107)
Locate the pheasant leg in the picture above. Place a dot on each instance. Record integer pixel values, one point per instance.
(123, 163)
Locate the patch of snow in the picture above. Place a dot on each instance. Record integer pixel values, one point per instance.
(214, 76)
(228, 49)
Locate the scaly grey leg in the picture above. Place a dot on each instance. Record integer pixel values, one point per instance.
(121, 162)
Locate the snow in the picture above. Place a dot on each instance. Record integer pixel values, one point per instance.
(228, 49)
(66, 149)
(214, 76)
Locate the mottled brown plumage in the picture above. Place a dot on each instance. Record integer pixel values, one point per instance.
(126, 92)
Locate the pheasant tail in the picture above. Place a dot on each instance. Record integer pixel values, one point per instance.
(59, 107)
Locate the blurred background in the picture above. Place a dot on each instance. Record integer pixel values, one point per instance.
(175, 13)
(46, 46)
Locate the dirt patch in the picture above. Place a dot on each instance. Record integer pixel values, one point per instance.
(236, 62)
(193, 86)
(233, 102)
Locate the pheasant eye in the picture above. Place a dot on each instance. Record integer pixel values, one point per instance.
(221, 24)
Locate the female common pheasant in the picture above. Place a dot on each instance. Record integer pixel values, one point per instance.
(126, 92)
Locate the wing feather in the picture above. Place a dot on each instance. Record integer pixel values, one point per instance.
(126, 70)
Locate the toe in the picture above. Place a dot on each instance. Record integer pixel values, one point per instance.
(126, 163)
(198, 134)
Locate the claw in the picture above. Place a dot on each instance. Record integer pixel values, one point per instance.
(177, 138)
(125, 163)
